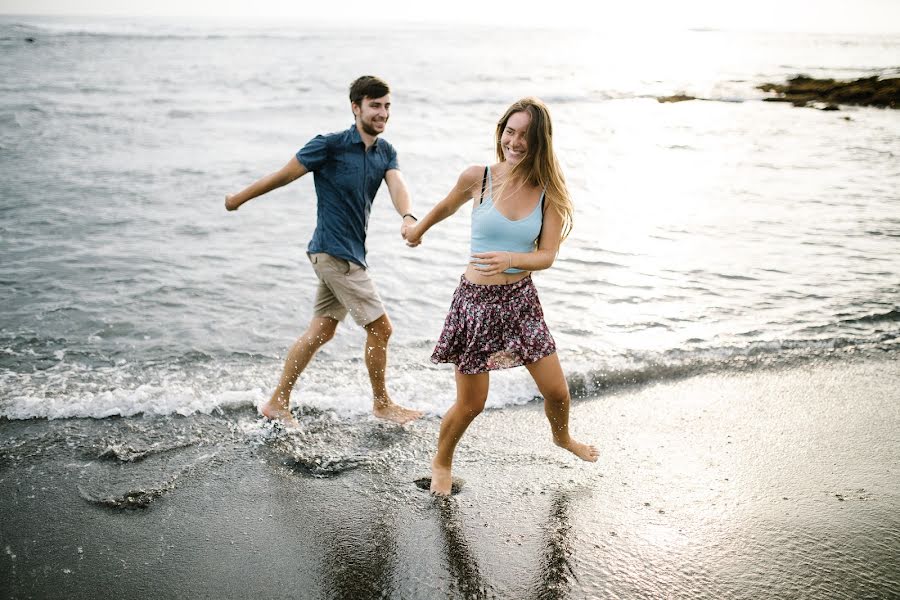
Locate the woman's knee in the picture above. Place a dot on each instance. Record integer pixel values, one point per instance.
(472, 406)
(557, 394)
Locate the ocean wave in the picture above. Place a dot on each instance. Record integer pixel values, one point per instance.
(150, 29)
(212, 387)
(872, 323)
(891, 316)
(502, 98)
(593, 263)
(679, 364)
(177, 399)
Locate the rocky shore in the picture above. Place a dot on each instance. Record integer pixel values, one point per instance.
(825, 94)
(828, 94)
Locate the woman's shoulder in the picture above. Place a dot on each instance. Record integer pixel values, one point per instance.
(473, 171)
(472, 175)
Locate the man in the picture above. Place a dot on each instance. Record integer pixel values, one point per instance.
(348, 168)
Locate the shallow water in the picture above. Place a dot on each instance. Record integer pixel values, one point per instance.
(709, 235)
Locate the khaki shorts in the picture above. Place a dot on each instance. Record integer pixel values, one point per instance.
(344, 287)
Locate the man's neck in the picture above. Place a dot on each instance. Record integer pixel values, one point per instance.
(367, 139)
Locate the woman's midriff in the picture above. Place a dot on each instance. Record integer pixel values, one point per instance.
(472, 275)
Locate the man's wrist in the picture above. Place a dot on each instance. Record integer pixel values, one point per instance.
(411, 216)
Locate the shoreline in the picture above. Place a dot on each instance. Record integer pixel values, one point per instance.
(769, 483)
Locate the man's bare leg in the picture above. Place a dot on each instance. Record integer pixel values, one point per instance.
(551, 382)
(320, 330)
(471, 394)
(378, 332)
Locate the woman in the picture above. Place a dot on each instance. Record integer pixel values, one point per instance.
(521, 215)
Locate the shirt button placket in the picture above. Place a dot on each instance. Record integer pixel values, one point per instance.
(365, 178)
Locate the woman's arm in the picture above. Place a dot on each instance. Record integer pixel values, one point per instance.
(459, 195)
(494, 263)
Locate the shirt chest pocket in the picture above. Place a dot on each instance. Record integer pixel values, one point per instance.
(348, 172)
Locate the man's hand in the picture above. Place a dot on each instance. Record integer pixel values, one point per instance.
(409, 224)
(229, 203)
(411, 235)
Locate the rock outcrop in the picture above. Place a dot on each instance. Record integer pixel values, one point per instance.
(828, 94)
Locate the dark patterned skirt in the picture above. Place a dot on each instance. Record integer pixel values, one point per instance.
(494, 327)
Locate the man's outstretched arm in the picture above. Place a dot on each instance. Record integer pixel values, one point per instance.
(294, 169)
(400, 197)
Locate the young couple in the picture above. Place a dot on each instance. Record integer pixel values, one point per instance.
(521, 214)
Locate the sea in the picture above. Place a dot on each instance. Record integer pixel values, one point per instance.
(723, 234)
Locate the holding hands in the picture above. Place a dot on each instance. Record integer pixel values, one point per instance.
(410, 233)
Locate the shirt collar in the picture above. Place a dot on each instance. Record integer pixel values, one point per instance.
(355, 138)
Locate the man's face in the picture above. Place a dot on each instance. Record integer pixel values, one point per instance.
(372, 114)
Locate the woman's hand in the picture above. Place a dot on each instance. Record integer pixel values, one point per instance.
(491, 263)
(412, 236)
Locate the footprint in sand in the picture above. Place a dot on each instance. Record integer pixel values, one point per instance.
(425, 484)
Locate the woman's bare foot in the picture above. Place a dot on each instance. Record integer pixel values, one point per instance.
(441, 480)
(395, 413)
(582, 451)
(279, 414)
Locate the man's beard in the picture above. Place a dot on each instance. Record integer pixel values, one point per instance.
(367, 127)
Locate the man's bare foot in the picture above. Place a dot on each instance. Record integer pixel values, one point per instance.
(396, 413)
(278, 414)
(582, 451)
(441, 481)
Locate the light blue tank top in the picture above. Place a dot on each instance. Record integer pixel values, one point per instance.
(492, 232)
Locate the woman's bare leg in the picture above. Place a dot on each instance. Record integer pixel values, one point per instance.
(549, 377)
(471, 394)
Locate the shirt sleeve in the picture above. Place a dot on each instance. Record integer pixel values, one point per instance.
(314, 153)
(393, 163)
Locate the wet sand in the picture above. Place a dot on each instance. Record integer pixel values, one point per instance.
(774, 483)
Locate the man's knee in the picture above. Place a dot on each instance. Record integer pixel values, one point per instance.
(380, 328)
(321, 331)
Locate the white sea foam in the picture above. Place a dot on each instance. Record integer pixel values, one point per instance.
(144, 399)
(339, 391)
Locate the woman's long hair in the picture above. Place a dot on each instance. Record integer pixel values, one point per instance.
(539, 167)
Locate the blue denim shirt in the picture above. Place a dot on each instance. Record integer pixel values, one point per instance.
(347, 177)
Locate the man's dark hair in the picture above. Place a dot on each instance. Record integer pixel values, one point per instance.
(368, 86)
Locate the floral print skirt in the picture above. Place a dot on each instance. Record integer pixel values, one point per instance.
(494, 327)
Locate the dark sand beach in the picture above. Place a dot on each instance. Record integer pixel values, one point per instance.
(775, 483)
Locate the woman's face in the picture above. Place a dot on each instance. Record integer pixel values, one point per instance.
(514, 140)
